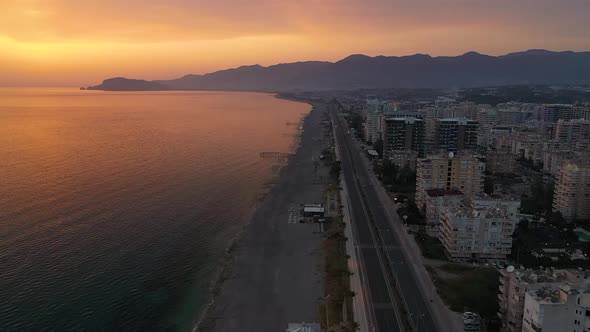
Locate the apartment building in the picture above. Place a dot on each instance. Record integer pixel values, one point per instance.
(447, 171)
(436, 200)
(374, 114)
(481, 229)
(403, 140)
(373, 126)
(514, 283)
(557, 309)
(572, 191)
(572, 131)
(455, 134)
(555, 112)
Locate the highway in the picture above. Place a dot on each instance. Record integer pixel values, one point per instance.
(366, 206)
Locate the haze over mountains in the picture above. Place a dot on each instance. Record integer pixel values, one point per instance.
(360, 71)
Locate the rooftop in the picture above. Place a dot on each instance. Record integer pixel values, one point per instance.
(443, 192)
(545, 295)
(549, 275)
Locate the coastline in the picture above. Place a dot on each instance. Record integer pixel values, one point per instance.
(227, 264)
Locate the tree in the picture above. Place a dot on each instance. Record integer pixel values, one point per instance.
(335, 170)
(488, 185)
(378, 146)
(540, 199)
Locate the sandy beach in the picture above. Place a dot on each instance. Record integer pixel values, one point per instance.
(275, 273)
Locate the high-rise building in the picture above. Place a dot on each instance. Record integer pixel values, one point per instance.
(572, 131)
(374, 118)
(572, 191)
(481, 229)
(403, 140)
(486, 119)
(373, 128)
(455, 135)
(448, 171)
(555, 112)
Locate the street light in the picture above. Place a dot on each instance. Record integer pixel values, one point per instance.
(419, 315)
(327, 314)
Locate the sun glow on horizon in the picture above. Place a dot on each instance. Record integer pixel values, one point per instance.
(61, 42)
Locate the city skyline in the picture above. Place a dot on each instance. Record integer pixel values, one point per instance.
(66, 43)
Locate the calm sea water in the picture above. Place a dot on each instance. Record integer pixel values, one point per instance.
(115, 208)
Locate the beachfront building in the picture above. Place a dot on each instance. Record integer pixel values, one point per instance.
(403, 140)
(448, 171)
(313, 213)
(375, 111)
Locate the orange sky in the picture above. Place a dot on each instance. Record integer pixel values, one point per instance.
(65, 42)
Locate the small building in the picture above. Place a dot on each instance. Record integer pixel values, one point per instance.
(313, 213)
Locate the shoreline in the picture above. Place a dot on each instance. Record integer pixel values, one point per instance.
(227, 263)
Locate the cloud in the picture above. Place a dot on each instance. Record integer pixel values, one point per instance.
(147, 38)
(153, 21)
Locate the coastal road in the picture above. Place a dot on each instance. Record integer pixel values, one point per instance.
(366, 203)
(383, 313)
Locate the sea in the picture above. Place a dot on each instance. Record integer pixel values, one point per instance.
(116, 207)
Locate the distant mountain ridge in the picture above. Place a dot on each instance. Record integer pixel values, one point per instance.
(471, 69)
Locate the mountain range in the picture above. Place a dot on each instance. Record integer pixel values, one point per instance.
(471, 69)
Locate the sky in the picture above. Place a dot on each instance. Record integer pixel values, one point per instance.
(81, 42)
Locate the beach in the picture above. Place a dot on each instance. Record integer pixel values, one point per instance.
(274, 276)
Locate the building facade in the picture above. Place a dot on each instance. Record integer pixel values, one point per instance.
(514, 283)
(436, 201)
(403, 140)
(557, 309)
(572, 191)
(455, 135)
(555, 112)
(480, 230)
(572, 131)
(373, 126)
(448, 171)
